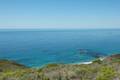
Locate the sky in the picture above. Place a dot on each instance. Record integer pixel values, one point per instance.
(59, 14)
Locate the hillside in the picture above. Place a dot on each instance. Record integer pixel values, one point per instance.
(10, 65)
(108, 69)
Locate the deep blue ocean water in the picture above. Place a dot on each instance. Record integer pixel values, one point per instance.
(35, 48)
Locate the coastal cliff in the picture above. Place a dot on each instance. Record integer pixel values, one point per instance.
(106, 69)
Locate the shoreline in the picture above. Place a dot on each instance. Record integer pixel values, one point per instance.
(77, 63)
(89, 62)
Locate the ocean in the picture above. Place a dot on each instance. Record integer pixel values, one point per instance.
(35, 48)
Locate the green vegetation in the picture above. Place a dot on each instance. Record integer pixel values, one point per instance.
(106, 73)
(108, 69)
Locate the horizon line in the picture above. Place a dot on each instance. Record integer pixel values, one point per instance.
(53, 28)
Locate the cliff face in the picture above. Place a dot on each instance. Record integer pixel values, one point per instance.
(116, 56)
(108, 69)
(113, 58)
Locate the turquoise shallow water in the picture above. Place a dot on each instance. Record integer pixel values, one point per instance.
(35, 48)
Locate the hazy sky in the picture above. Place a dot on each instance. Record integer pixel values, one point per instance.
(60, 14)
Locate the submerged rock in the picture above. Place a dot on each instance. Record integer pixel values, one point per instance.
(91, 53)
